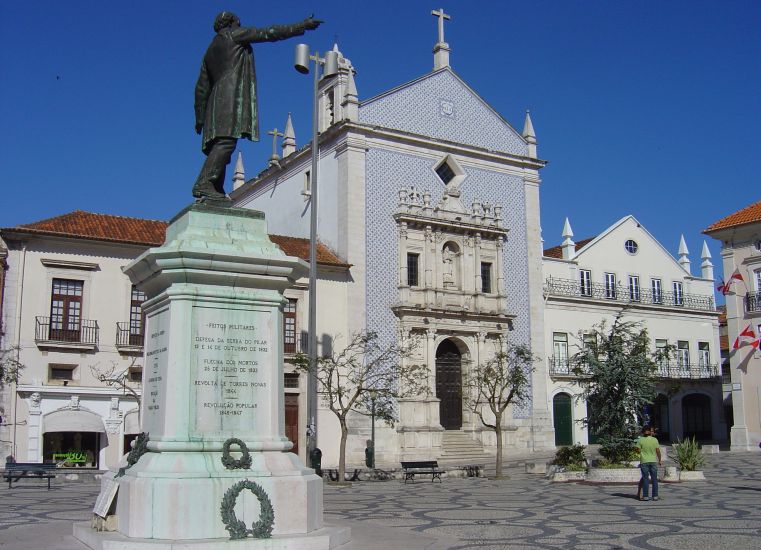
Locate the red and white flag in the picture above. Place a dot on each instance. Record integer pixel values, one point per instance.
(724, 288)
(746, 338)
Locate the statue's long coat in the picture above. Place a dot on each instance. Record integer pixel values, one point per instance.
(225, 102)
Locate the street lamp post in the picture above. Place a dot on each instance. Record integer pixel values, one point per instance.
(329, 67)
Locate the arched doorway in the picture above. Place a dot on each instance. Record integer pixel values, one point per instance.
(449, 385)
(696, 416)
(660, 418)
(562, 419)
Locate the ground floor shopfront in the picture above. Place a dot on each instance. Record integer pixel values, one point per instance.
(74, 427)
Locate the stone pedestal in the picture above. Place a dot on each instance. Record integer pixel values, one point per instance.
(213, 371)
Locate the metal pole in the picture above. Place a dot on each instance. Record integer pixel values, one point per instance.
(372, 432)
(312, 343)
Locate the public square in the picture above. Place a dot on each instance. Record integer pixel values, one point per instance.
(523, 512)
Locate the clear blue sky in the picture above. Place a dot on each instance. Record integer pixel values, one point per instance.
(648, 107)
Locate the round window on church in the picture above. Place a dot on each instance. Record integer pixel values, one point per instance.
(631, 246)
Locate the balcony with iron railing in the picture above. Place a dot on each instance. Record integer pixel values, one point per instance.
(752, 302)
(79, 335)
(129, 337)
(622, 294)
(296, 344)
(564, 367)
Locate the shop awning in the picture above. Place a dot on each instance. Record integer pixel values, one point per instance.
(72, 421)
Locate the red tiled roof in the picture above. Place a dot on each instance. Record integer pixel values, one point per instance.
(724, 342)
(296, 246)
(100, 227)
(749, 214)
(105, 227)
(557, 251)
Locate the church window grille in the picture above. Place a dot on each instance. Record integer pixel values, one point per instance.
(486, 277)
(585, 282)
(445, 172)
(412, 269)
(610, 286)
(291, 380)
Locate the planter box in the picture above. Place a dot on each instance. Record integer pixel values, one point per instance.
(614, 475)
(568, 476)
(697, 475)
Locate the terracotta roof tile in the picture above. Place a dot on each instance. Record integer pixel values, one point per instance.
(101, 227)
(105, 227)
(299, 247)
(749, 214)
(557, 251)
(724, 342)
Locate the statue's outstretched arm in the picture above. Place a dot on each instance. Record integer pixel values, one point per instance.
(273, 33)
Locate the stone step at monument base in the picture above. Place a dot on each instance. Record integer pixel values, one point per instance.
(327, 538)
(459, 448)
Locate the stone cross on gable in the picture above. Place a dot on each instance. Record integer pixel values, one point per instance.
(275, 134)
(441, 15)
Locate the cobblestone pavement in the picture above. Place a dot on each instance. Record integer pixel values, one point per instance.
(524, 512)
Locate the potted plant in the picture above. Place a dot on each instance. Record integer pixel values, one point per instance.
(570, 463)
(690, 459)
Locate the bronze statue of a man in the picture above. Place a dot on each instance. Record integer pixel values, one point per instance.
(225, 101)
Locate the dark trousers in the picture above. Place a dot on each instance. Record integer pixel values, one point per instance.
(649, 470)
(211, 180)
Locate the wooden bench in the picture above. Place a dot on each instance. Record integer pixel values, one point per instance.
(18, 470)
(421, 467)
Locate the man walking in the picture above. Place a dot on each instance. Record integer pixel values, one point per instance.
(649, 460)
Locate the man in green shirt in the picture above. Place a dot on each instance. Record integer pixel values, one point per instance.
(649, 460)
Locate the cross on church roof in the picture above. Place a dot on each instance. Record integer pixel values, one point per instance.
(441, 15)
(275, 134)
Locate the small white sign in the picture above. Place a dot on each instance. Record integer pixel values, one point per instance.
(108, 490)
(736, 386)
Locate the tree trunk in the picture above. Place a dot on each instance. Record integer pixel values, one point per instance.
(498, 433)
(342, 451)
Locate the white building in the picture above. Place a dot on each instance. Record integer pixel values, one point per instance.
(740, 236)
(72, 315)
(625, 269)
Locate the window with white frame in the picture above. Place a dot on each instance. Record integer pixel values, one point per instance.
(661, 345)
(610, 286)
(678, 294)
(585, 282)
(683, 354)
(560, 350)
(704, 354)
(657, 289)
(634, 288)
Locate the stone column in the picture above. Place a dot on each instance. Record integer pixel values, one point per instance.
(403, 275)
(34, 445)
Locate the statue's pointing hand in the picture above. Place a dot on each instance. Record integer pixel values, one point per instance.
(311, 23)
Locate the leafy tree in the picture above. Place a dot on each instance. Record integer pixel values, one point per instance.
(10, 366)
(617, 370)
(351, 379)
(497, 383)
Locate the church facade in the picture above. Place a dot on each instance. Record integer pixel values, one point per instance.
(433, 199)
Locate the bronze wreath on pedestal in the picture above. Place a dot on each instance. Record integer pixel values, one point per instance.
(262, 529)
(229, 462)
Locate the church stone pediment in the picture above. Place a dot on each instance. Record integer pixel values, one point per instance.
(441, 106)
